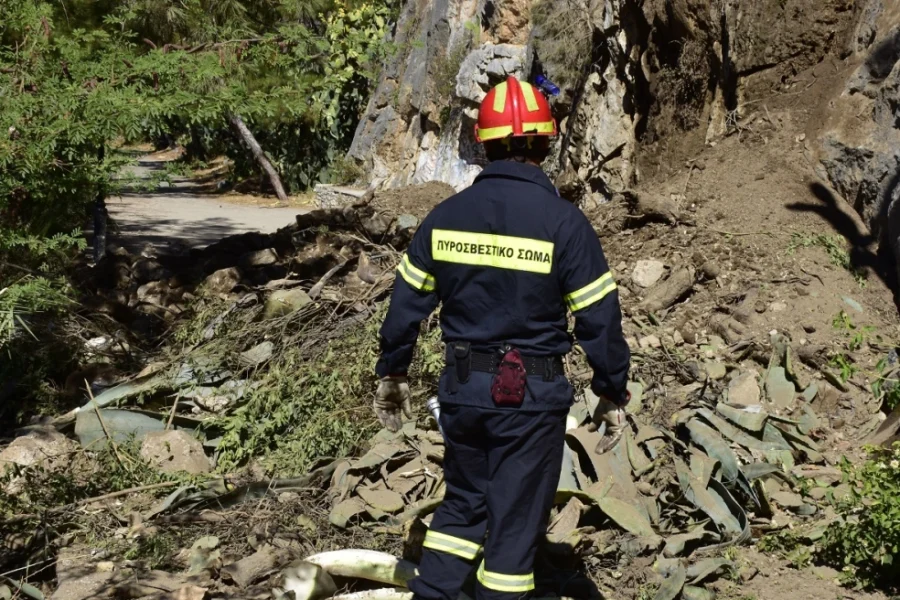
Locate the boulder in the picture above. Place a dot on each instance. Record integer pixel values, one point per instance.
(223, 280)
(41, 447)
(283, 302)
(175, 451)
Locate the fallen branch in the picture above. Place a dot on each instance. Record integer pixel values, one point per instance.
(109, 496)
(670, 291)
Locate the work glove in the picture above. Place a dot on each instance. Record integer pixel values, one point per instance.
(609, 413)
(392, 396)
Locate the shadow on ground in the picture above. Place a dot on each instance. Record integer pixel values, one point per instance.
(865, 252)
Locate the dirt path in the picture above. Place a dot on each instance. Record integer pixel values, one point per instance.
(175, 217)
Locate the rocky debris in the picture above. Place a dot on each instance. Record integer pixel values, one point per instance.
(647, 272)
(336, 196)
(175, 451)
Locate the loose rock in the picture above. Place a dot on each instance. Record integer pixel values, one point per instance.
(650, 341)
(744, 390)
(259, 258)
(647, 272)
(175, 451)
(715, 369)
(223, 280)
(284, 302)
(36, 448)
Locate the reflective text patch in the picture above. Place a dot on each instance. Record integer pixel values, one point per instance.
(492, 250)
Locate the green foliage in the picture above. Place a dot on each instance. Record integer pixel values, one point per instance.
(845, 366)
(836, 248)
(885, 387)
(865, 542)
(154, 551)
(306, 408)
(44, 487)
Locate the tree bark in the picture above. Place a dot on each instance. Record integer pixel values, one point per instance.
(100, 218)
(241, 128)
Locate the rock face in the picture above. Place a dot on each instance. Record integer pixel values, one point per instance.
(174, 451)
(859, 148)
(633, 74)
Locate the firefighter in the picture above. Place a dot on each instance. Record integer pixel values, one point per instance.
(506, 258)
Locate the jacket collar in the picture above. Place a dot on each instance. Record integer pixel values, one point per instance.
(508, 169)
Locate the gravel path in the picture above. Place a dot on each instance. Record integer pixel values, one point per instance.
(176, 218)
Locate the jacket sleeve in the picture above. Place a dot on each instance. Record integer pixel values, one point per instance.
(413, 299)
(590, 293)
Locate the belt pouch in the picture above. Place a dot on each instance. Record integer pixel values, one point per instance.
(508, 388)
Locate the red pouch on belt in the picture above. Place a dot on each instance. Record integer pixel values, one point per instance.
(508, 388)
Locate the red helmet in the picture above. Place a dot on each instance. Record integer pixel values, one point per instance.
(514, 109)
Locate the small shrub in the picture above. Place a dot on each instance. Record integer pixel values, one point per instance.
(563, 39)
(865, 541)
(309, 407)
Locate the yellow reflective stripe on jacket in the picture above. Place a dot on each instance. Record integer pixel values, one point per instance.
(415, 277)
(449, 544)
(591, 293)
(500, 97)
(505, 583)
(531, 102)
(492, 250)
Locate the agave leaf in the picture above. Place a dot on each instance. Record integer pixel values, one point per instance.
(737, 435)
(672, 585)
(700, 571)
(627, 516)
(699, 495)
(759, 470)
(676, 544)
(750, 420)
(691, 592)
(715, 446)
(639, 462)
(702, 465)
(793, 435)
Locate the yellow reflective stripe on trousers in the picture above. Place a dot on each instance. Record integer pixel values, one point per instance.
(492, 250)
(415, 277)
(505, 583)
(592, 293)
(449, 544)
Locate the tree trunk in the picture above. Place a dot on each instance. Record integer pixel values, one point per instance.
(100, 219)
(259, 155)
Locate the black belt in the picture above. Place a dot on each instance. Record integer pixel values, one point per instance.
(461, 360)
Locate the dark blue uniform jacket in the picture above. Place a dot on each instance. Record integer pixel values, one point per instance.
(506, 258)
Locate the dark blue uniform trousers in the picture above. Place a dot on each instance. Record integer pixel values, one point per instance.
(501, 469)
